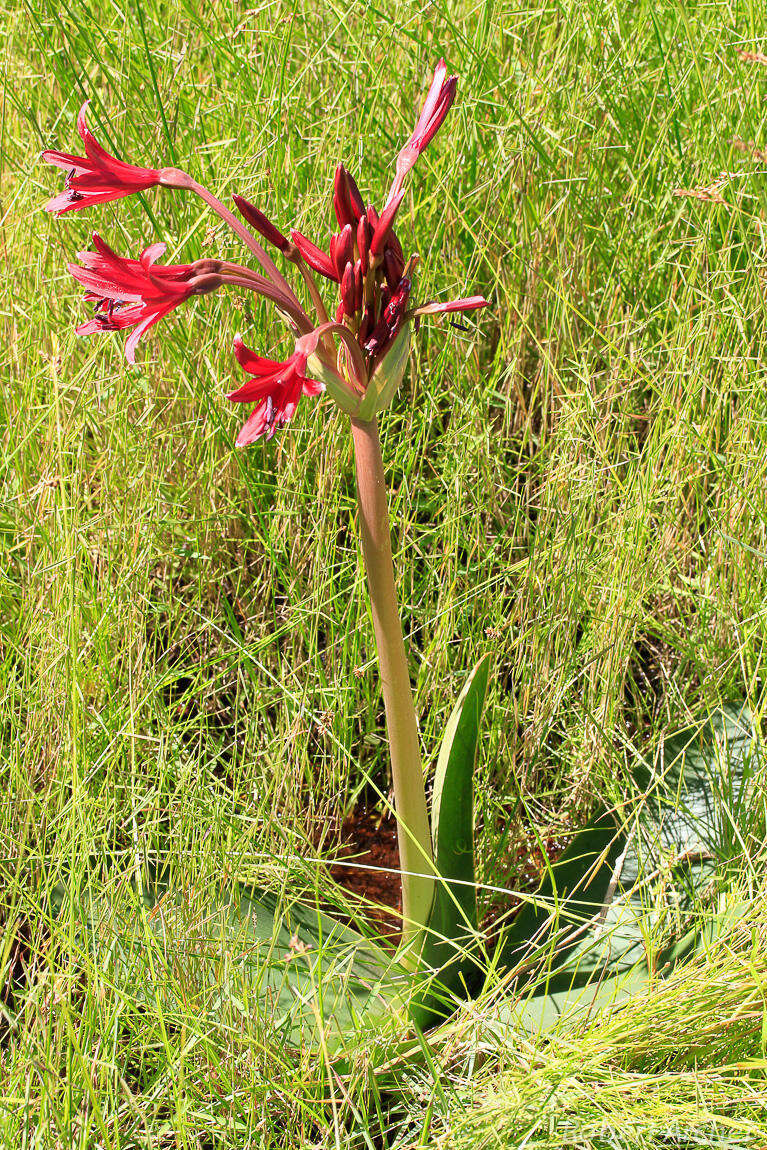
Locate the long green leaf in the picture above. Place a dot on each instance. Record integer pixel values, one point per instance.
(449, 951)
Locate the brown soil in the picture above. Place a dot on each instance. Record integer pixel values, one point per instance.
(372, 870)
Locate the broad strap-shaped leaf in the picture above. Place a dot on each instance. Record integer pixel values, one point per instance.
(288, 962)
(571, 894)
(679, 834)
(449, 953)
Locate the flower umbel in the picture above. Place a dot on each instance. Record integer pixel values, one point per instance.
(357, 353)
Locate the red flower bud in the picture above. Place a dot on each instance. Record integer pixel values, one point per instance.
(393, 268)
(364, 236)
(384, 225)
(348, 298)
(359, 284)
(357, 203)
(393, 243)
(347, 200)
(314, 256)
(259, 221)
(344, 250)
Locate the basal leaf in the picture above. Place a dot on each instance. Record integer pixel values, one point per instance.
(449, 952)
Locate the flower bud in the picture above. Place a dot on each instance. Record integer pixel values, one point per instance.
(348, 295)
(392, 268)
(251, 214)
(393, 243)
(344, 249)
(359, 285)
(314, 256)
(383, 227)
(364, 236)
(347, 200)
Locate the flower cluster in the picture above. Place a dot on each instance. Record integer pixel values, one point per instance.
(358, 356)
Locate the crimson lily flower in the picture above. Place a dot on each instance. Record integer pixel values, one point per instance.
(137, 293)
(95, 177)
(437, 105)
(276, 387)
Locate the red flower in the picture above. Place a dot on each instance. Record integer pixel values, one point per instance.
(132, 293)
(436, 106)
(96, 176)
(276, 387)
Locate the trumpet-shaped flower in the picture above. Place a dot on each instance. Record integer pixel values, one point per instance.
(137, 293)
(95, 177)
(275, 387)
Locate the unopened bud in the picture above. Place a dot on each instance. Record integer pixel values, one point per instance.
(392, 268)
(364, 236)
(344, 250)
(359, 285)
(347, 200)
(261, 223)
(348, 296)
(393, 243)
(383, 228)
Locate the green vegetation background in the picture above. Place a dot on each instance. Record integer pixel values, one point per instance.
(578, 482)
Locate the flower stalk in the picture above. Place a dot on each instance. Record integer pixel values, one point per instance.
(356, 353)
(413, 831)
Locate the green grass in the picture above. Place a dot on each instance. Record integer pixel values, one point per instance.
(579, 484)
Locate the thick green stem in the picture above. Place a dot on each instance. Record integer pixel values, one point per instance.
(415, 851)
